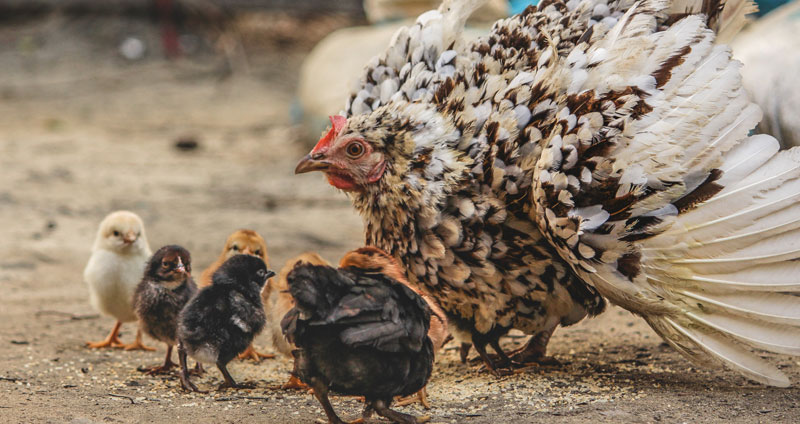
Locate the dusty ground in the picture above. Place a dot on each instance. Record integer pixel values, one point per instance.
(84, 133)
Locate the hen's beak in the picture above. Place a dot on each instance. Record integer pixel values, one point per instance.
(310, 163)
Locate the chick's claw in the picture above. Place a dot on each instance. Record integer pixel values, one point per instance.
(254, 355)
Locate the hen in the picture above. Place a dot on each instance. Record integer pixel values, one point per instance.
(581, 151)
(358, 332)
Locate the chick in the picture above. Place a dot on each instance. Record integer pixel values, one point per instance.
(119, 255)
(240, 242)
(377, 260)
(222, 319)
(358, 332)
(166, 287)
(278, 301)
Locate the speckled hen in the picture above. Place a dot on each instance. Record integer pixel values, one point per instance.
(581, 151)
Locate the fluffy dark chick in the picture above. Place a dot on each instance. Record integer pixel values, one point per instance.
(221, 321)
(361, 333)
(165, 288)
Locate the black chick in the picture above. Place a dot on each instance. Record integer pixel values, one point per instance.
(222, 319)
(164, 290)
(358, 332)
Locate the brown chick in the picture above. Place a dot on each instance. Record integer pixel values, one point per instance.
(240, 242)
(372, 258)
(277, 302)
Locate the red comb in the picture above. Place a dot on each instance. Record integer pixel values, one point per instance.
(337, 123)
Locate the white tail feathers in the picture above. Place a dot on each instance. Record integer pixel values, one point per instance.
(730, 265)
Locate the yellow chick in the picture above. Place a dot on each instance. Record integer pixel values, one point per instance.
(119, 255)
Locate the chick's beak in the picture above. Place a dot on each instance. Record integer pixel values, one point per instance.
(311, 163)
(270, 274)
(129, 237)
(181, 268)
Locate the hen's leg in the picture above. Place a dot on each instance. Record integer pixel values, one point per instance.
(112, 340)
(137, 344)
(186, 383)
(490, 364)
(252, 353)
(382, 408)
(161, 369)
(535, 350)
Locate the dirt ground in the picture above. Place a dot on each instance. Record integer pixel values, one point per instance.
(84, 132)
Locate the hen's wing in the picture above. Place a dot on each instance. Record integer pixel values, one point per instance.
(366, 309)
(650, 188)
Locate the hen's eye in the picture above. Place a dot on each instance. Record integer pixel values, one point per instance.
(116, 233)
(164, 265)
(261, 273)
(354, 150)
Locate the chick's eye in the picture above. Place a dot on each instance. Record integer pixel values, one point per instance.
(354, 150)
(235, 248)
(258, 252)
(261, 273)
(116, 233)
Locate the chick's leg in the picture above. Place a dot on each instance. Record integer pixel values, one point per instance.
(186, 383)
(321, 393)
(229, 381)
(137, 344)
(112, 340)
(252, 353)
(161, 369)
(382, 408)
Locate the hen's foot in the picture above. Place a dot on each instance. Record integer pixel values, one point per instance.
(535, 351)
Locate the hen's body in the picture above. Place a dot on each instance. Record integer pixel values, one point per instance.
(358, 333)
(580, 151)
